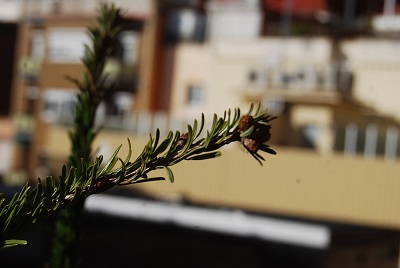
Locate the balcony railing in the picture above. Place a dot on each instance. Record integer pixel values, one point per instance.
(370, 141)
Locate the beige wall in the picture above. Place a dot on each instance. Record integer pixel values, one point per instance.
(294, 182)
(223, 68)
(192, 63)
(376, 68)
(221, 78)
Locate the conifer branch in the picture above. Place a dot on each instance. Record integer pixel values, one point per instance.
(33, 204)
(84, 177)
(93, 88)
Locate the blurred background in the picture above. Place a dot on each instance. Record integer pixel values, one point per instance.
(330, 71)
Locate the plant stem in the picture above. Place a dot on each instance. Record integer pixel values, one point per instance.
(69, 222)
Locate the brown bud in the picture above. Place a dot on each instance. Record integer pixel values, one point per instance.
(102, 185)
(251, 145)
(262, 133)
(246, 121)
(182, 141)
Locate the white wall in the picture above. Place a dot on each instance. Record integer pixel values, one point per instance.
(10, 11)
(137, 8)
(240, 19)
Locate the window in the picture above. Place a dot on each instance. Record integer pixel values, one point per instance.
(58, 106)
(130, 45)
(66, 45)
(195, 95)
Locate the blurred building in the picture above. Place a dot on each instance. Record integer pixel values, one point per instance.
(307, 62)
(48, 42)
(329, 70)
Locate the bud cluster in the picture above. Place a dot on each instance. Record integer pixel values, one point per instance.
(260, 133)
